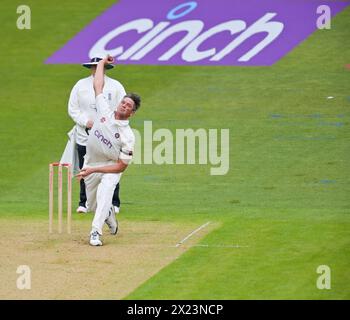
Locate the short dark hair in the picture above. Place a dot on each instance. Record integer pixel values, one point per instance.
(136, 98)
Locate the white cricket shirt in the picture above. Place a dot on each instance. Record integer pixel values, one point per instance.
(82, 103)
(109, 139)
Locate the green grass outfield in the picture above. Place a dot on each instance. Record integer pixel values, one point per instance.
(285, 200)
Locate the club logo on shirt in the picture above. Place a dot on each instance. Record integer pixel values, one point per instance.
(117, 135)
(103, 119)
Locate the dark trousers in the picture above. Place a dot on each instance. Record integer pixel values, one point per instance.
(82, 202)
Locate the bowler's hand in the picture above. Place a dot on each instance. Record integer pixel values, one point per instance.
(84, 173)
(108, 60)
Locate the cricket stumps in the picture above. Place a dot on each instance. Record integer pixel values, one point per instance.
(60, 167)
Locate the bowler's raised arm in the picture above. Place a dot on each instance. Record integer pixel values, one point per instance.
(99, 75)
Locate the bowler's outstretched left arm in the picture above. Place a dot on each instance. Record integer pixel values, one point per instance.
(118, 167)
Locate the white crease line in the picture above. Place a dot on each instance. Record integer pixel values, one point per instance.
(219, 246)
(192, 233)
(154, 245)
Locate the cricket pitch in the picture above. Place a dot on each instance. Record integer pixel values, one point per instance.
(65, 266)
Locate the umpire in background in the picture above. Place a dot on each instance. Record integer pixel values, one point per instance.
(82, 109)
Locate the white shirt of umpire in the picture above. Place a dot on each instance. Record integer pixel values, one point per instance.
(82, 103)
(109, 140)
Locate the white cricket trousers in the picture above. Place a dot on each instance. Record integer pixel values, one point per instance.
(99, 192)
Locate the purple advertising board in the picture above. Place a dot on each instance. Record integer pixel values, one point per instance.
(201, 32)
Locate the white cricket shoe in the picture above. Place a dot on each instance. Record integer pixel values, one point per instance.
(112, 222)
(116, 209)
(82, 209)
(95, 239)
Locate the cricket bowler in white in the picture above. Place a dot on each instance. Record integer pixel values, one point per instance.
(82, 109)
(109, 150)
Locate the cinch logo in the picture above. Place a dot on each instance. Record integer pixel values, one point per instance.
(155, 34)
(202, 32)
(103, 139)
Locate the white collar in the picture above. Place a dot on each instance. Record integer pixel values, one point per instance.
(122, 123)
